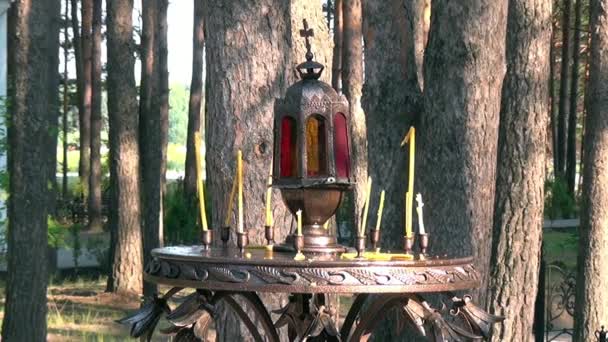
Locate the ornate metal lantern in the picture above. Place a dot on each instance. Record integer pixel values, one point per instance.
(312, 153)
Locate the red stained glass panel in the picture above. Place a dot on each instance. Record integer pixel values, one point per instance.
(341, 146)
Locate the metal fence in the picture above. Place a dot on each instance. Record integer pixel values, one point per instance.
(555, 303)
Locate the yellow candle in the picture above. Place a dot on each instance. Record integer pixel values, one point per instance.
(230, 202)
(299, 216)
(199, 180)
(326, 225)
(368, 191)
(410, 138)
(239, 171)
(380, 208)
(268, 202)
(408, 214)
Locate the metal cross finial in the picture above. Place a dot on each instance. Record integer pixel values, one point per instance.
(306, 33)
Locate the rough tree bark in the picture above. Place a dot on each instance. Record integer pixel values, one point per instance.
(391, 99)
(196, 97)
(592, 281)
(562, 122)
(352, 85)
(125, 218)
(77, 46)
(64, 111)
(520, 173)
(573, 118)
(87, 93)
(153, 111)
(464, 65)
(252, 50)
(554, 99)
(336, 70)
(94, 208)
(418, 18)
(33, 61)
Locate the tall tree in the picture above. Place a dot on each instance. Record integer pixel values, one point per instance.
(592, 279)
(562, 122)
(196, 97)
(64, 112)
(520, 173)
(86, 35)
(553, 98)
(94, 207)
(391, 99)
(261, 41)
(153, 123)
(573, 118)
(33, 61)
(464, 65)
(77, 46)
(352, 85)
(336, 71)
(125, 218)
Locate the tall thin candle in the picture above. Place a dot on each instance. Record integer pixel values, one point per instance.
(239, 169)
(368, 191)
(299, 216)
(269, 220)
(199, 180)
(380, 208)
(410, 138)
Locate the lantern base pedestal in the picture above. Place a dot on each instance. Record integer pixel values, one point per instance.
(313, 244)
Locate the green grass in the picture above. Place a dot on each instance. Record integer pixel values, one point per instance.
(560, 246)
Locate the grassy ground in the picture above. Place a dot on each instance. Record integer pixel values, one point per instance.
(560, 246)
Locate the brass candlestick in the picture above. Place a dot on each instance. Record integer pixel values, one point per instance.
(242, 240)
(374, 237)
(423, 242)
(225, 234)
(269, 234)
(408, 244)
(360, 246)
(298, 243)
(207, 238)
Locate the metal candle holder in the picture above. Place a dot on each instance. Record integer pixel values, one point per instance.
(225, 234)
(360, 246)
(423, 242)
(207, 238)
(374, 237)
(408, 244)
(269, 234)
(242, 240)
(298, 242)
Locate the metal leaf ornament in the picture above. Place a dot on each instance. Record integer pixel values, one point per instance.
(480, 321)
(144, 320)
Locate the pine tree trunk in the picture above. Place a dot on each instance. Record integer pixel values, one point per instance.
(33, 61)
(64, 112)
(573, 118)
(196, 97)
(352, 85)
(336, 71)
(251, 50)
(391, 99)
(520, 173)
(554, 101)
(94, 208)
(84, 162)
(592, 281)
(77, 46)
(418, 16)
(464, 67)
(125, 217)
(153, 124)
(562, 122)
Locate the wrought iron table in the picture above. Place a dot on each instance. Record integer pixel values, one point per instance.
(223, 274)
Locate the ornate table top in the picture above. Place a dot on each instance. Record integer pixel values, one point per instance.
(227, 269)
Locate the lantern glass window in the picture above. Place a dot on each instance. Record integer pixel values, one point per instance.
(316, 146)
(289, 160)
(342, 157)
